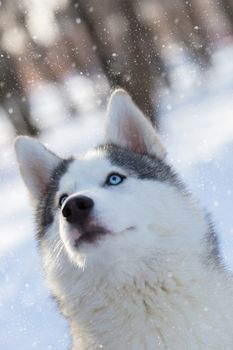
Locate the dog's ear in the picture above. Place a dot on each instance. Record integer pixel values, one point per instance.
(36, 164)
(129, 128)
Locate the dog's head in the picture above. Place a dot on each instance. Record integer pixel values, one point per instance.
(118, 203)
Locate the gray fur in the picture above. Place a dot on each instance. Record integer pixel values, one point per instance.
(213, 246)
(45, 207)
(143, 166)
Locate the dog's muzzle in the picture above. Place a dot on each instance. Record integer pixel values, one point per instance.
(77, 211)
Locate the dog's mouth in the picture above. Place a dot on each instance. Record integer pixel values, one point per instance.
(90, 236)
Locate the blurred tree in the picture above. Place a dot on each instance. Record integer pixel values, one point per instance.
(187, 26)
(132, 66)
(102, 52)
(142, 51)
(198, 40)
(12, 97)
(227, 6)
(128, 41)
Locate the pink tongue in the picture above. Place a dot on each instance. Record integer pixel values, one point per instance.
(75, 234)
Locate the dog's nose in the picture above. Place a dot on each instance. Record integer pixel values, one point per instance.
(77, 209)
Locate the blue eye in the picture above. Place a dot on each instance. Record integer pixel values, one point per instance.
(114, 179)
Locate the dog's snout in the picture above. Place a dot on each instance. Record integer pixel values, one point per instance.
(77, 209)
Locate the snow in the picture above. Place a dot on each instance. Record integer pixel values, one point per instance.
(197, 128)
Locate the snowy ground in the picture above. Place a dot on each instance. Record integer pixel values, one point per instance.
(197, 127)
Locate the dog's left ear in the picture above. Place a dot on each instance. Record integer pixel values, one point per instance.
(127, 127)
(36, 164)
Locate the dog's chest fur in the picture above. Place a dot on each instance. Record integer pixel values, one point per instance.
(169, 310)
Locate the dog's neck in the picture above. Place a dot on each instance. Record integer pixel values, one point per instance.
(140, 311)
(134, 302)
(102, 312)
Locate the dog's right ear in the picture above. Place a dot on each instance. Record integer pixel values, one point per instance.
(36, 164)
(127, 127)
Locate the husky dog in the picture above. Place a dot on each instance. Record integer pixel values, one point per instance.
(132, 260)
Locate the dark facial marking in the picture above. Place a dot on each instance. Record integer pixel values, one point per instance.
(144, 166)
(45, 208)
(213, 247)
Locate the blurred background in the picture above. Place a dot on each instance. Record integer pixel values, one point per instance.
(59, 60)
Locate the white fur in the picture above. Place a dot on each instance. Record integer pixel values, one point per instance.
(148, 284)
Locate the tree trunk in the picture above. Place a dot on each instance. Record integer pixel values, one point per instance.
(198, 40)
(227, 6)
(135, 74)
